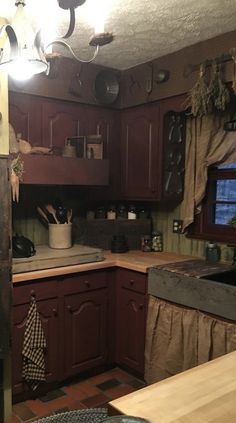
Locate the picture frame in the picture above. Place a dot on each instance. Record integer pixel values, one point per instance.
(80, 143)
(94, 147)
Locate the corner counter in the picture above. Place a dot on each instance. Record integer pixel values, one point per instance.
(133, 260)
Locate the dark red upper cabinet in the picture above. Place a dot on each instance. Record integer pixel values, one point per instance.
(61, 120)
(25, 115)
(140, 153)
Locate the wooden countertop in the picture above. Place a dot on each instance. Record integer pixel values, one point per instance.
(204, 394)
(133, 260)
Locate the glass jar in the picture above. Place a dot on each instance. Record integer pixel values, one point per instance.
(146, 243)
(122, 212)
(157, 243)
(132, 212)
(100, 213)
(111, 213)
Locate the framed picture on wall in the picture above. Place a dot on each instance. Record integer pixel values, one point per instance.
(79, 143)
(94, 147)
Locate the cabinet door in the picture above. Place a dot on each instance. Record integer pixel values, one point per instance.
(131, 319)
(172, 131)
(25, 115)
(131, 312)
(48, 310)
(62, 120)
(140, 155)
(85, 331)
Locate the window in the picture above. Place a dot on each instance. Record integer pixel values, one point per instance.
(219, 206)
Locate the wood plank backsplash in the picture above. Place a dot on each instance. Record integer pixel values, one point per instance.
(178, 243)
(162, 221)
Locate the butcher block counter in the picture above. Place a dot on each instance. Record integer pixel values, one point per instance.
(204, 394)
(134, 260)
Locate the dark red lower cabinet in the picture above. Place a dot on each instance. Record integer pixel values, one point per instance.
(131, 319)
(85, 329)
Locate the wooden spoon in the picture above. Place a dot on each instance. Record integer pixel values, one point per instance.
(51, 210)
(69, 215)
(43, 215)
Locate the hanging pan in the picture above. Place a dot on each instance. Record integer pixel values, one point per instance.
(106, 87)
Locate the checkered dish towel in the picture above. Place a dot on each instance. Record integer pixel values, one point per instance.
(34, 346)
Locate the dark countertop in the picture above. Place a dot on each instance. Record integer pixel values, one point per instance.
(196, 268)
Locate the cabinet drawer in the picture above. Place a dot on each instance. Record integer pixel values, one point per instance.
(42, 290)
(132, 280)
(86, 281)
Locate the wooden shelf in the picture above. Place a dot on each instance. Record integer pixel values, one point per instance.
(57, 170)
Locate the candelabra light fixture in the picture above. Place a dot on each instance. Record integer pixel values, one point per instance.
(25, 54)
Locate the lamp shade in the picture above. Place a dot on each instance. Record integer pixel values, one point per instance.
(25, 60)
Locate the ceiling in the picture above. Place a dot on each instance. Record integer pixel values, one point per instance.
(143, 29)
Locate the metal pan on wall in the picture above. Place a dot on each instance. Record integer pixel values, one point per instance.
(106, 87)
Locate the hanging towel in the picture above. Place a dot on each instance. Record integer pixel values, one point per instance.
(34, 346)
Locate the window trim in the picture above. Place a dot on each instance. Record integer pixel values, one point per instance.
(201, 228)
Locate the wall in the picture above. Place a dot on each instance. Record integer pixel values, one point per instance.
(183, 67)
(71, 81)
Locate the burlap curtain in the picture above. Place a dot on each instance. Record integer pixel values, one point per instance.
(179, 338)
(206, 144)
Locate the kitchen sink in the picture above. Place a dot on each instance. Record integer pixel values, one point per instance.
(228, 278)
(214, 293)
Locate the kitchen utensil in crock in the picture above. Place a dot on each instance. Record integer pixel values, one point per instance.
(51, 210)
(61, 214)
(106, 87)
(49, 215)
(42, 215)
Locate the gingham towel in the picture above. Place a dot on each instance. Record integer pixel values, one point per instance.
(34, 346)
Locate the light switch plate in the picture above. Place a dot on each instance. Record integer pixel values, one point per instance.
(177, 226)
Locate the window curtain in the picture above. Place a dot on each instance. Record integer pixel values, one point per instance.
(206, 144)
(178, 338)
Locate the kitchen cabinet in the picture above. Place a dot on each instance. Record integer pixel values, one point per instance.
(153, 150)
(131, 319)
(74, 315)
(60, 120)
(86, 322)
(48, 122)
(140, 152)
(25, 115)
(45, 293)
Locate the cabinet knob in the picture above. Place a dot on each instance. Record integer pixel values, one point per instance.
(140, 306)
(131, 281)
(69, 308)
(87, 283)
(54, 310)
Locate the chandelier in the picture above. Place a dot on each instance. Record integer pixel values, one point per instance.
(26, 54)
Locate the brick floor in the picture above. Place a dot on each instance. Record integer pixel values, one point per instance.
(96, 391)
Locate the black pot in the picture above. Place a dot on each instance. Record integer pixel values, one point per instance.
(22, 247)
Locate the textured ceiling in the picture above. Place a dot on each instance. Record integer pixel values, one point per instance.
(143, 29)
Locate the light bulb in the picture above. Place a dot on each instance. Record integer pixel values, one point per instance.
(20, 69)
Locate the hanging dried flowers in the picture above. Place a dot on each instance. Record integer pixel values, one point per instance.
(218, 92)
(233, 55)
(199, 95)
(17, 169)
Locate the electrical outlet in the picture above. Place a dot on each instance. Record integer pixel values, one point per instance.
(177, 226)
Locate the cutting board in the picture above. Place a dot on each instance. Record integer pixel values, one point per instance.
(47, 258)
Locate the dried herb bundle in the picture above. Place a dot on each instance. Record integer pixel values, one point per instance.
(233, 54)
(199, 95)
(218, 92)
